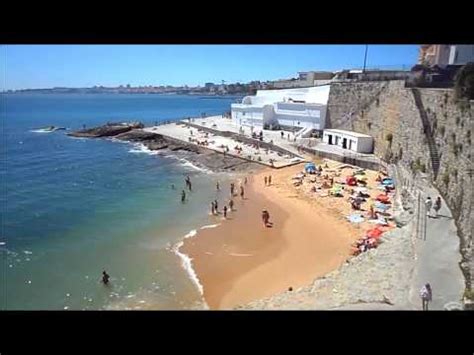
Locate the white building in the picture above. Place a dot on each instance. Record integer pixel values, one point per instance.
(301, 107)
(357, 142)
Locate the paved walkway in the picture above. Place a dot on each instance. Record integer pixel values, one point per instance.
(437, 258)
(216, 143)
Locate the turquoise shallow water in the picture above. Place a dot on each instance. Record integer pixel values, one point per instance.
(73, 207)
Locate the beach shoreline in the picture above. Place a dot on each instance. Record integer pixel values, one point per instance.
(241, 261)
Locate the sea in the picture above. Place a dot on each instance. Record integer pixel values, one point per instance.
(74, 207)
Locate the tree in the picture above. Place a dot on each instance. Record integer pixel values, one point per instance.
(464, 82)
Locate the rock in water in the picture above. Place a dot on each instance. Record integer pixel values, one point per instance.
(108, 130)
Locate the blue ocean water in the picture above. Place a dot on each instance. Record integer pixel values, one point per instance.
(72, 207)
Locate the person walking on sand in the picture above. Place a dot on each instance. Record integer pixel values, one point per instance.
(231, 204)
(241, 192)
(426, 295)
(428, 204)
(265, 217)
(245, 181)
(215, 206)
(225, 211)
(217, 186)
(105, 277)
(437, 206)
(269, 180)
(282, 134)
(265, 179)
(183, 196)
(232, 186)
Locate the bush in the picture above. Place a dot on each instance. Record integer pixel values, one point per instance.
(464, 82)
(442, 130)
(446, 178)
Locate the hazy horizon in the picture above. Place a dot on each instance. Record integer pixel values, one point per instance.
(84, 66)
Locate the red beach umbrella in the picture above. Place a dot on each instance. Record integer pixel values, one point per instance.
(383, 198)
(374, 233)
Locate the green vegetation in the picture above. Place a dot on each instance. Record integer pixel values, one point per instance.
(464, 83)
(417, 165)
(446, 178)
(469, 294)
(442, 130)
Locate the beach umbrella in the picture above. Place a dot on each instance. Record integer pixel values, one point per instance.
(383, 198)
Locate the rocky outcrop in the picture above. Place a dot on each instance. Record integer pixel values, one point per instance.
(107, 130)
(200, 156)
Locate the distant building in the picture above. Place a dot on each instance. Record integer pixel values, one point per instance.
(305, 79)
(445, 54)
(371, 75)
(302, 107)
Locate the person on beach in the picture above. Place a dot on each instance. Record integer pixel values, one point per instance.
(265, 217)
(426, 295)
(428, 204)
(282, 134)
(265, 179)
(215, 207)
(183, 196)
(225, 211)
(105, 277)
(231, 204)
(437, 206)
(269, 180)
(232, 186)
(241, 192)
(245, 181)
(288, 136)
(217, 186)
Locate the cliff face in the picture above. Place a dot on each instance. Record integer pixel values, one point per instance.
(424, 130)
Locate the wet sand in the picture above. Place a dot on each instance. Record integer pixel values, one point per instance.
(242, 260)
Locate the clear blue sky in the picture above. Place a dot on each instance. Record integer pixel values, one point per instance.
(44, 66)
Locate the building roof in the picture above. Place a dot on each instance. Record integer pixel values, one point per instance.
(348, 133)
(310, 95)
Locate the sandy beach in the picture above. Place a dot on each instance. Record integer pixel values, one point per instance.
(241, 260)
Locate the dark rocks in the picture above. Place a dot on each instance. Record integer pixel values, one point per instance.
(108, 130)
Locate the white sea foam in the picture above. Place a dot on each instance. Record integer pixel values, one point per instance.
(210, 226)
(188, 164)
(143, 149)
(41, 130)
(186, 261)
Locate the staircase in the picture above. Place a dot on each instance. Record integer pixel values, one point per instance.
(434, 155)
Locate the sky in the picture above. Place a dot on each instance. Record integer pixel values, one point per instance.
(46, 66)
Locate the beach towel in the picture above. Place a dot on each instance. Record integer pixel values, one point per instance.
(381, 206)
(382, 221)
(355, 218)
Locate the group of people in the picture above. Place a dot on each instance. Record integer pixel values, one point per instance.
(436, 207)
(267, 180)
(225, 209)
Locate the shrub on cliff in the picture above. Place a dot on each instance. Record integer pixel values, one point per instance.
(464, 82)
